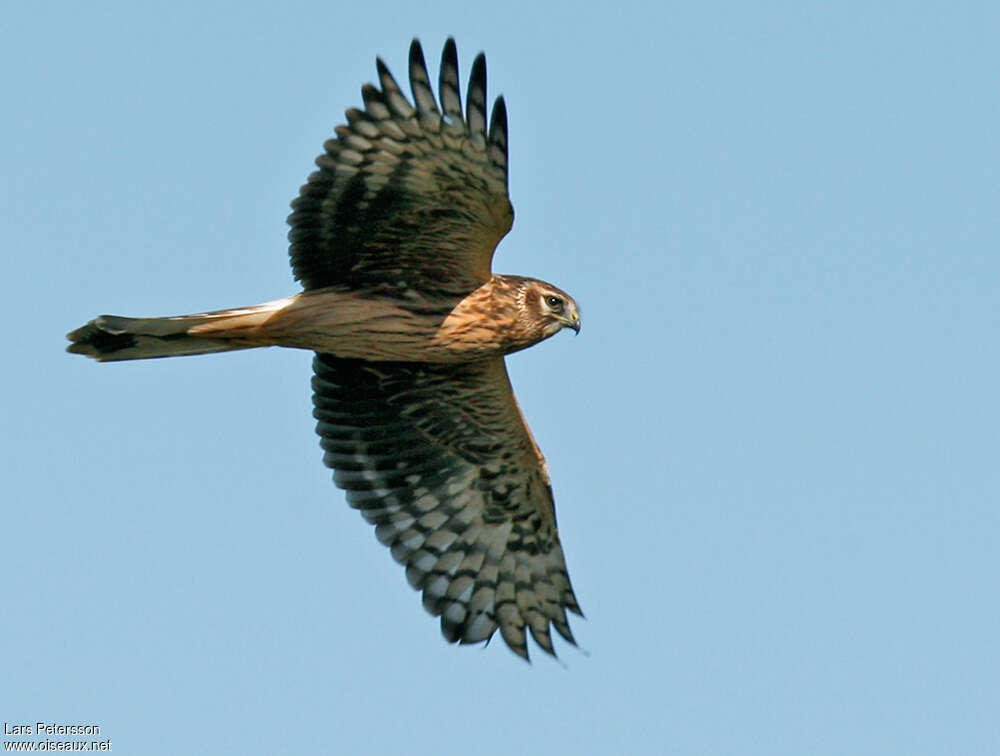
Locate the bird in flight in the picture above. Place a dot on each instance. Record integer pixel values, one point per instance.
(392, 240)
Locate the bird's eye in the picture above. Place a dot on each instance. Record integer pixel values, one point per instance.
(554, 302)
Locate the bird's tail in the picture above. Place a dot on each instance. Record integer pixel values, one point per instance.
(111, 337)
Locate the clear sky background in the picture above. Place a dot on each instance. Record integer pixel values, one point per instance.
(774, 445)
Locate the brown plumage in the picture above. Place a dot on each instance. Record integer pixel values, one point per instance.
(392, 239)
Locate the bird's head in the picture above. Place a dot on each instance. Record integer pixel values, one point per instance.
(551, 309)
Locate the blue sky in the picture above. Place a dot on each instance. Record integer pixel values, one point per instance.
(773, 446)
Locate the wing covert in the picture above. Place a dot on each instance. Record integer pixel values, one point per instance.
(407, 196)
(438, 458)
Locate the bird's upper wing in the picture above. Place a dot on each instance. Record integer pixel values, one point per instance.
(439, 459)
(407, 195)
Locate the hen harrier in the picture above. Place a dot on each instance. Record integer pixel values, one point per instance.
(392, 239)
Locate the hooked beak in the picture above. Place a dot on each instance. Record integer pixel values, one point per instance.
(573, 321)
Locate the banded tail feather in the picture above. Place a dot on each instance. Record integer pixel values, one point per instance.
(111, 338)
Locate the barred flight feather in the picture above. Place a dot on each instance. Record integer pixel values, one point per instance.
(404, 191)
(437, 458)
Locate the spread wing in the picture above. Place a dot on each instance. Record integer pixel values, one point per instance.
(439, 459)
(407, 196)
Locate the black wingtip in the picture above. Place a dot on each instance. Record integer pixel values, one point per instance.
(449, 61)
(479, 71)
(420, 84)
(498, 118)
(417, 54)
(498, 134)
(372, 96)
(449, 84)
(475, 98)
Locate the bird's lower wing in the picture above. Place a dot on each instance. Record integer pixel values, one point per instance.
(438, 458)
